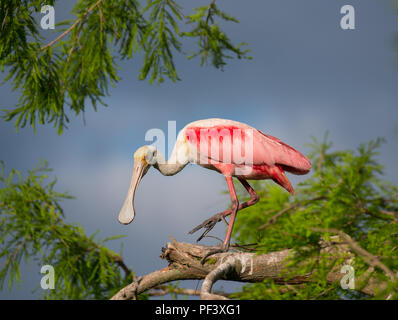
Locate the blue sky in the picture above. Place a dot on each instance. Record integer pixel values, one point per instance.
(307, 76)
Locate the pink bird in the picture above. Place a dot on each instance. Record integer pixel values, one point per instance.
(232, 148)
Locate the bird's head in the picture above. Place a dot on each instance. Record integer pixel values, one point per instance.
(144, 157)
(146, 154)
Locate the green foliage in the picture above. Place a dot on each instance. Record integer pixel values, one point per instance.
(212, 41)
(345, 192)
(80, 64)
(32, 226)
(77, 67)
(161, 37)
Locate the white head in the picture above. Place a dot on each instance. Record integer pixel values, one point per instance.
(144, 157)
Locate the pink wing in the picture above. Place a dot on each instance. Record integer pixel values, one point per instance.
(284, 155)
(229, 144)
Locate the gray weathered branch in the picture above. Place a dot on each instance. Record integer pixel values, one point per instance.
(184, 264)
(217, 273)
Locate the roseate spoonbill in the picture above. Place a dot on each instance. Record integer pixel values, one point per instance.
(232, 148)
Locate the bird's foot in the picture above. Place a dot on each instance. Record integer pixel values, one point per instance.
(223, 248)
(208, 224)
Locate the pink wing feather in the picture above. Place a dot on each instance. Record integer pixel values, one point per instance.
(270, 155)
(267, 150)
(284, 155)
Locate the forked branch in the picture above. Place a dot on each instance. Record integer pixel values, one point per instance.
(184, 264)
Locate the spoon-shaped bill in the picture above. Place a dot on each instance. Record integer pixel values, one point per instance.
(127, 213)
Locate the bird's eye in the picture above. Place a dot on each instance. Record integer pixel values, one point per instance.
(151, 156)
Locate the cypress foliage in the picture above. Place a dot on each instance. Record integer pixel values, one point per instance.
(80, 64)
(32, 227)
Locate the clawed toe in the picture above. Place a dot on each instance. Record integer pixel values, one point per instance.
(208, 225)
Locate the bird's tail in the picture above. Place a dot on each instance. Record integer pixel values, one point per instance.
(279, 176)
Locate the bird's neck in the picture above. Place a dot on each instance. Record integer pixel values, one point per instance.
(170, 167)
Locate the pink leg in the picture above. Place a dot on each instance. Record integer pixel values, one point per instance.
(234, 210)
(253, 198)
(211, 222)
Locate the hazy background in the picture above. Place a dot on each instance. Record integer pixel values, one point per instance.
(308, 76)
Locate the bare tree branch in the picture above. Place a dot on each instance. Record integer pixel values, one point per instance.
(296, 205)
(369, 258)
(72, 26)
(392, 214)
(162, 290)
(184, 264)
(218, 273)
(4, 20)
